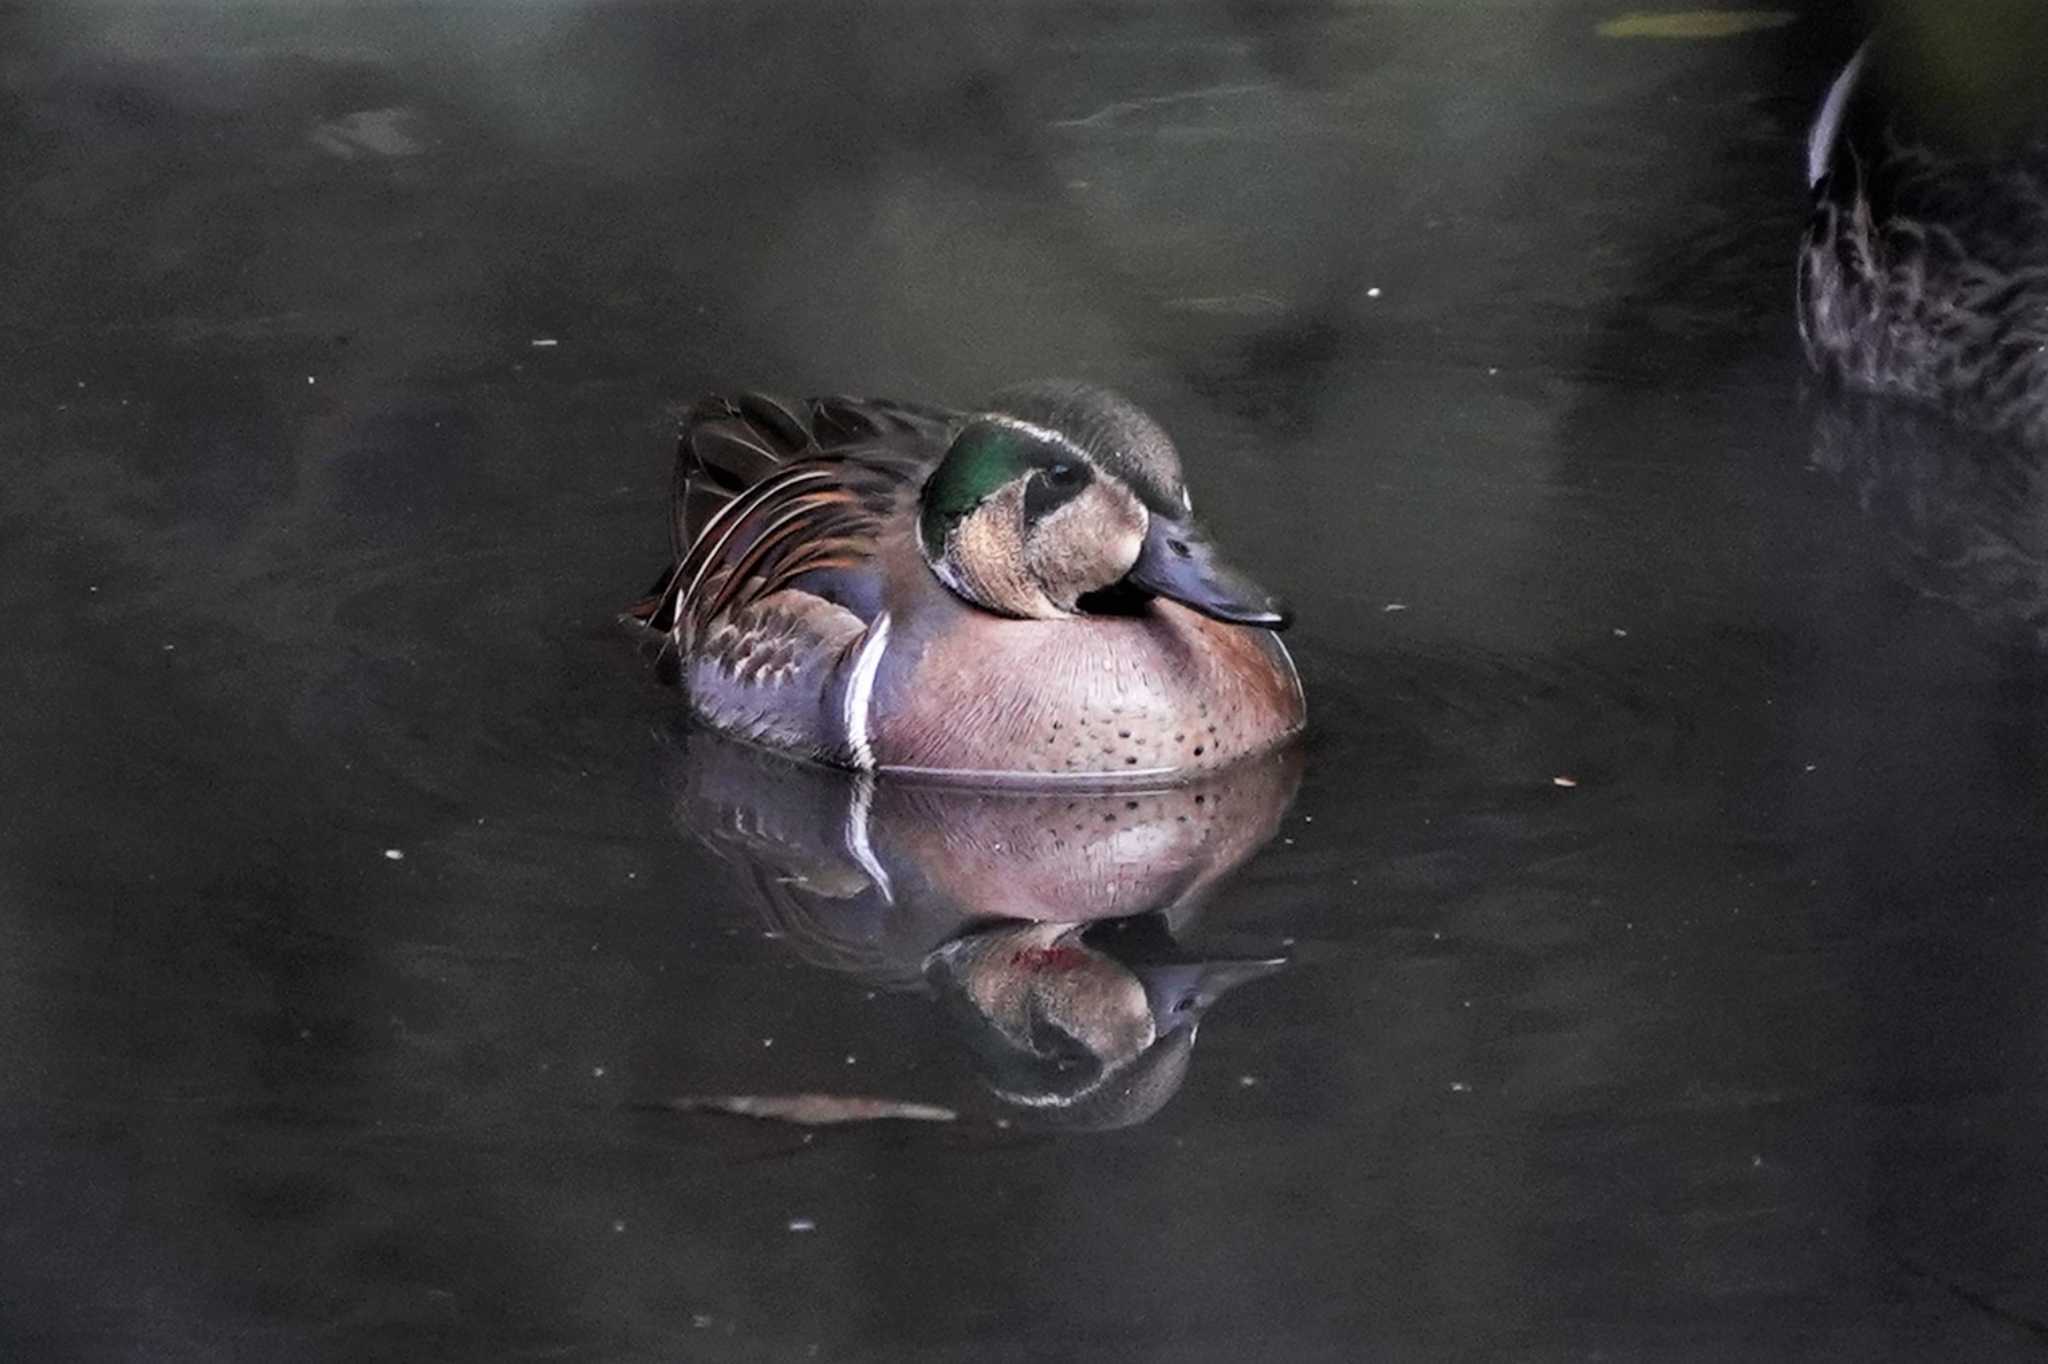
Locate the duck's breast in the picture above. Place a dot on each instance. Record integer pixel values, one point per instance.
(1165, 691)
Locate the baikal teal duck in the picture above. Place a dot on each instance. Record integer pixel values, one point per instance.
(1016, 592)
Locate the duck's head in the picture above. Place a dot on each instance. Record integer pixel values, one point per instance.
(1062, 490)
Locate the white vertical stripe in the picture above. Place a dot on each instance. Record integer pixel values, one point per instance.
(859, 812)
(1820, 142)
(860, 691)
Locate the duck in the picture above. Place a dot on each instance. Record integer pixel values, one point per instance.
(1017, 591)
(1923, 271)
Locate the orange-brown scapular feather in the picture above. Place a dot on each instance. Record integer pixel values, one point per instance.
(754, 565)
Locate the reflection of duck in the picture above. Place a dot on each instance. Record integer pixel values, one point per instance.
(1964, 515)
(1020, 591)
(1094, 1023)
(1924, 274)
(1044, 922)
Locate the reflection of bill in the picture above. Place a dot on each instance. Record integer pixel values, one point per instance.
(1043, 921)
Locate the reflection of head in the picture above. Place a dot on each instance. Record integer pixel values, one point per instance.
(1088, 1029)
(1128, 1096)
(1048, 1015)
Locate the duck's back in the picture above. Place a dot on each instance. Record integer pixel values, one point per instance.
(776, 513)
(731, 445)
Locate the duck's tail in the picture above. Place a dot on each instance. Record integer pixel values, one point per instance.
(730, 445)
(725, 446)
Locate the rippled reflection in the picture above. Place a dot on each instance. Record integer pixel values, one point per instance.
(1045, 925)
(1964, 516)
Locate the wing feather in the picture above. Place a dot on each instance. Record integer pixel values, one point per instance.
(768, 493)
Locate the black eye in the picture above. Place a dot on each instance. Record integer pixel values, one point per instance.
(1053, 485)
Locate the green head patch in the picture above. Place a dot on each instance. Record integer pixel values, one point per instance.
(982, 460)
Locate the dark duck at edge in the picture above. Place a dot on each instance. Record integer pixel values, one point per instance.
(1924, 271)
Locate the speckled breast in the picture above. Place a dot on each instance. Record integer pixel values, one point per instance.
(1160, 693)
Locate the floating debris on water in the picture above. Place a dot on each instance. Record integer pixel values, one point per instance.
(1251, 304)
(809, 1110)
(370, 132)
(1695, 23)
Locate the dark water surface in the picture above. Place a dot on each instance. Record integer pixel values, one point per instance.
(1734, 1049)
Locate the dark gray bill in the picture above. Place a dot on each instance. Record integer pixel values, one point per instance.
(1178, 561)
(1178, 992)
